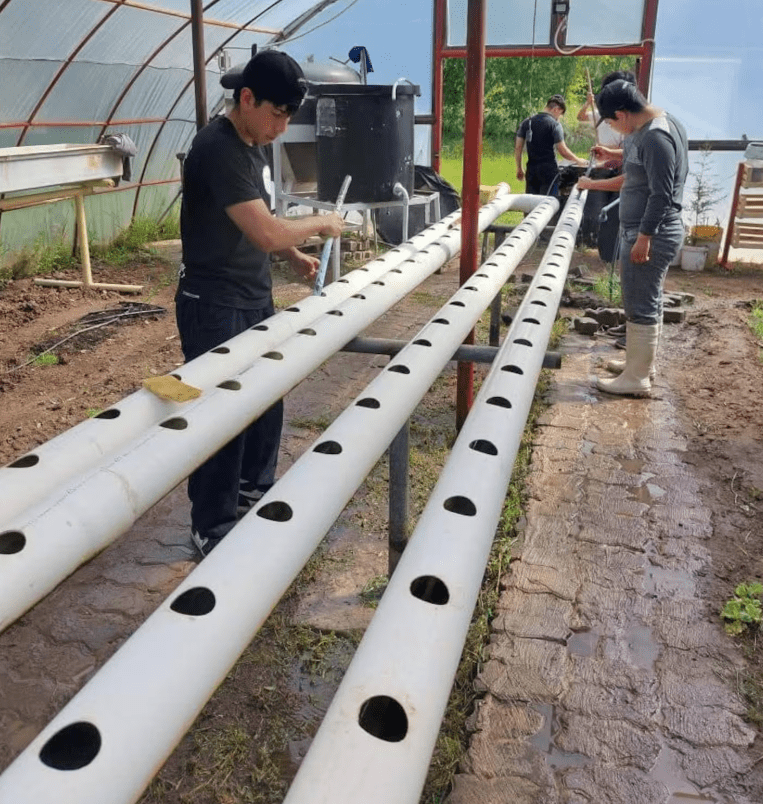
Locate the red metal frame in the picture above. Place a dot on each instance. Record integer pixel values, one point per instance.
(724, 260)
(470, 194)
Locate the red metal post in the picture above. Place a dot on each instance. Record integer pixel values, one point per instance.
(470, 194)
(437, 96)
(724, 260)
(648, 29)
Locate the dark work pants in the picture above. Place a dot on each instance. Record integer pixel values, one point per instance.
(540, 178)
(250, 458)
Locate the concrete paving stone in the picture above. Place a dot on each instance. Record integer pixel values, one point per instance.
(564, 487)
(507, 757)
(540, 616)
(706, 766)
(684, 632)
(153, 577)
(684, 682)
(626, 531)
(608, 740)
(129, 600)
(502, 790)
(615, 785)
(604, 702)
(512, 720)
(614, 476)
(525, 669)
(707, 726)
(532, 579)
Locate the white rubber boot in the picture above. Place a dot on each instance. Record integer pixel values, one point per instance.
(640, 352)
(618, 366)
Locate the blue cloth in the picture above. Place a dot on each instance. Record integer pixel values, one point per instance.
(641, 283)
(357, 53)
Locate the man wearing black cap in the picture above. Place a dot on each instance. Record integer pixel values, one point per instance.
(228, 233)
(543, 135)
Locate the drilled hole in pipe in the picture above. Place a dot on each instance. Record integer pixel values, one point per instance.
(457, 304)
(493, 264)
(484, 276)
(460, 505)
(292, 310)
(368, 402)
(522, 342)
(482, 445)
(430, 590)
(335, 312)
(552, 276)
(72, 748)
(555, 264)
(470, 287)
(220, 350)
(261, 327)
(383, 717)
(499, 401)
(343, 281)
(328, 448)
(111, 413)
(396, 271)
(177, 377)
(512, 369)
(12, 541)
(539, 303)
(306, 331)
(398, 369)
(422, 342)
(276, 511)
(358, 296)
(273, 355)
(174, 424)
(441, 321)
(363, 269)
(230, 385)
(530, 321)
(25, 462)
(542, 287)
(195, 602)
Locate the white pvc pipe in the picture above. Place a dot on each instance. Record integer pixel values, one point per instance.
(124, 723)
(376, 739)
(36, 474)
(41, 545)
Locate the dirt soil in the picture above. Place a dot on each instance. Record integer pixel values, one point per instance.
(716, 373)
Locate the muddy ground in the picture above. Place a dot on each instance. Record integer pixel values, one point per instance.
(250, 737)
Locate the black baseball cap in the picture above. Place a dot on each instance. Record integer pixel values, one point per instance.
(272, 75)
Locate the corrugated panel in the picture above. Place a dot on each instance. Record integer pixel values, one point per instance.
(39, 29)
(20, 86)
(593, 23)
(129, 37)
(509, 22)
(85, 91)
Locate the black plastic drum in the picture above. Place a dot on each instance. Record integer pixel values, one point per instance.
(365, 132)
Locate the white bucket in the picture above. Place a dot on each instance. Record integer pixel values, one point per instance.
(693, 258)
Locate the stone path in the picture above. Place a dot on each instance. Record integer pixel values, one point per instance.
(608, 681)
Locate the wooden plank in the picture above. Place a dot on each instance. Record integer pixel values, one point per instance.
(750, 206)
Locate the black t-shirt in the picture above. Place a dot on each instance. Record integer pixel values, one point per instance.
(221, 265)
(546, 132)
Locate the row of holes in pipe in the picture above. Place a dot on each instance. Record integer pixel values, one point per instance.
(12, 542)
(76, 745)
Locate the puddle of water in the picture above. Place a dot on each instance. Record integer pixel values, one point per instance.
(641, 494)
(667, 770)
(655, 491)
(544, 741)
(583, 643)
(642, 646)
(668, 583)
(632, 465)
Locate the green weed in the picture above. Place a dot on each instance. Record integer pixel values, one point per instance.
(756, 320)
(371, 593)
(743, 611)
(608, 287)
(46, 359)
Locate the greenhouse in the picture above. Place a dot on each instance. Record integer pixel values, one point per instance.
(478, 456)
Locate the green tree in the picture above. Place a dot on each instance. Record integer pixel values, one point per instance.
(518, 87)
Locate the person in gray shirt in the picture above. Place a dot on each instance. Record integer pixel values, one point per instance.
(655, 166)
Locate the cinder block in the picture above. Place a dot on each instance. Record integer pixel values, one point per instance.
(586, 326)
(674, 315)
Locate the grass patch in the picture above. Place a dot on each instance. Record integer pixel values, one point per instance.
(608, 287)
(756, 320)
(371, 593)
(46, 359)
